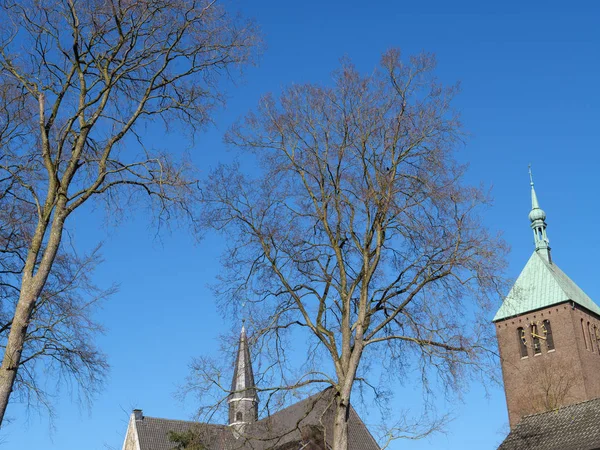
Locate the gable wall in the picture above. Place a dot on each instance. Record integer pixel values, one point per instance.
(131, 438)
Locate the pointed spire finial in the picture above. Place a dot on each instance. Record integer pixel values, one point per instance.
(243, 318)
(530, 176)
(534, 201)
(537, 216)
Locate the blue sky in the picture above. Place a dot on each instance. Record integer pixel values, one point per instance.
(530, 94)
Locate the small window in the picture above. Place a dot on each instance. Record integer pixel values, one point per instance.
(238, 417)
(549, 337)
(522, 342)
(583, 332)
(596, 337)
(591, 334)
(537, 349)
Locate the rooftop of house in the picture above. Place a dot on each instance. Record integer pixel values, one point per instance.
(573, 427)
(282, 430)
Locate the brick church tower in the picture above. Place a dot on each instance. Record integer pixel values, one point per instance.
(548, 334)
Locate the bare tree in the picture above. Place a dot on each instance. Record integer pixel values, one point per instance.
(78, 82)
(554, 388)
(357, 228)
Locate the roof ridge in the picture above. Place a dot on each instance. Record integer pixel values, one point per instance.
(555, 270)
(187, 421)
(557, 273)
(561, 278)
(170, 420)
(561, 408)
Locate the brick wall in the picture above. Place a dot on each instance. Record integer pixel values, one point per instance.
(590, 354)
(568, 374)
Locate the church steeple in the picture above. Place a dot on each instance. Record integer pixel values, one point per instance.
(547, 325)
(243, 400)
(537, 216)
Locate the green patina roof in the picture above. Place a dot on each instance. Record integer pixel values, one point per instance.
(539, 285)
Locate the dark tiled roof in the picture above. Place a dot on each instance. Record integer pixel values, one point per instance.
(316, 410)
(574, 427)
(280, 430)
(153, 433)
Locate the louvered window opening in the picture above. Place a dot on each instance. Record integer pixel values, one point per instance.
(522, 345)
(549, 337)
(533, 338)
(584, 336)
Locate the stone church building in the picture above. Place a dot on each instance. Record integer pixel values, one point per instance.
(548, 334)
(306, 425)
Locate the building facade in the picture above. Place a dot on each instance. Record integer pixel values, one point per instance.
(306, 425)
(548, 333)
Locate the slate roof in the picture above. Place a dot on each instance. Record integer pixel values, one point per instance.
(153, 433)
(539, 285)
(573, 427)
(242, 383)
(278, 431)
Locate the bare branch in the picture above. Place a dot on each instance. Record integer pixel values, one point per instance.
(360, 228)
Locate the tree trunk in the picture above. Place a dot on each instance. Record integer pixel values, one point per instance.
(14, 348)
(345, 381)
(31, 288)
(340, 425)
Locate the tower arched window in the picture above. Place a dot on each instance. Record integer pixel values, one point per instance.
(521, 340)
(591, 334)
(549, 337)
(239, 416)
(584, 337)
